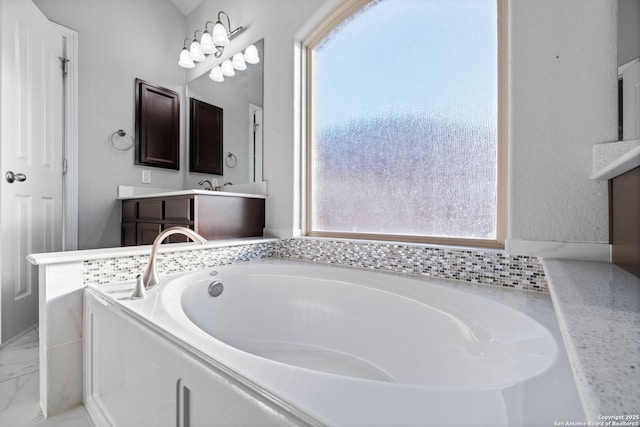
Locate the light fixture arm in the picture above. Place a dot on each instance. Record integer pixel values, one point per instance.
(228, 21)
(230, 34)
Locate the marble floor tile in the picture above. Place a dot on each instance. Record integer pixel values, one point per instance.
(19, 388)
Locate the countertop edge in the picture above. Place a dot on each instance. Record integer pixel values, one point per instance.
(193, 192)
(595, 300)
(618, 165)
(91, 254)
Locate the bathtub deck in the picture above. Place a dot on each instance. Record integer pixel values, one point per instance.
(598, 306)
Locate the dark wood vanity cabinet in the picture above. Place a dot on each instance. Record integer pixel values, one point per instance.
(212, 216)
(624, 220)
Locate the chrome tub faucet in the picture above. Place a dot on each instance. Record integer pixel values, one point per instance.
(150, 276)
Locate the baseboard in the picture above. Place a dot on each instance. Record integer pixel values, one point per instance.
(282, 233)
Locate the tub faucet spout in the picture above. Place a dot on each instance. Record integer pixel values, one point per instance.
(150, 275)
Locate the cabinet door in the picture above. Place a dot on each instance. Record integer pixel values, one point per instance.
(147, 232)
(129, 209)
(129, 235)
(205, 138)
(157, 126)
(178, 209)
(150, 209)
(624, 202)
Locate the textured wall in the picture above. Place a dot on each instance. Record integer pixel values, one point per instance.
(562, 101)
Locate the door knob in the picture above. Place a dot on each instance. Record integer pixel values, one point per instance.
(12, 177)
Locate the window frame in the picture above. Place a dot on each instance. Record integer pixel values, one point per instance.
(337, 17)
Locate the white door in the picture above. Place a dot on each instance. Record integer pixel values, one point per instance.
(31, 138)
(631, 102)
(255, 143)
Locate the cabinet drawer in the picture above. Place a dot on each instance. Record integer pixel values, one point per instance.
(178, 209)
(150, 209)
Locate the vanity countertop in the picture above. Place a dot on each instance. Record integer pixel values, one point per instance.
(615, 158)
(598, 308)
(191, 192)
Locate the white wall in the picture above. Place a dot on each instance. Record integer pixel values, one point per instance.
(562, 102)
(119, 40)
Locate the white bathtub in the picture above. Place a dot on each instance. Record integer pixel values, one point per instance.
(353, 347)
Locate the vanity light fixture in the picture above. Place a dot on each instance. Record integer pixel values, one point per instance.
(185, 60)
(211, 43)
(227, 68)
(216, 74)
(251, 55)
(195, 51)
(238, 62)
(206, 42)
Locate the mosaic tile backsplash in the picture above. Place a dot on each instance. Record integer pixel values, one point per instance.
(475, 266)
(121, 269)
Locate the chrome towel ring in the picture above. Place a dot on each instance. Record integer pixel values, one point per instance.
(231, 160)
(121, 141)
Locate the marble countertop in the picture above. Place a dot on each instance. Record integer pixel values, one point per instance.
(615, 158)
(598, 307)
(194, 191)
(91, 254)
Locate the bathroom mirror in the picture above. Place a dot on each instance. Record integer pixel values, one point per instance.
(628, 69)
(240, 96)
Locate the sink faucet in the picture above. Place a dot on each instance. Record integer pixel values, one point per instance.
(150, 276)
(208, 185)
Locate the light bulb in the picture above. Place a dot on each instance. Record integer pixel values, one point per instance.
(219, 35)
(195, 52)
(185, 59)
(227, 68)
(216, 74)
(206, 43)
(238, 62)
(251, 55)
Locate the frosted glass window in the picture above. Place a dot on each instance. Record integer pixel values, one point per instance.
(404, 119)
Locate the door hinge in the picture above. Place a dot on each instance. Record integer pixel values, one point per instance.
(64, 166)
(65, 65)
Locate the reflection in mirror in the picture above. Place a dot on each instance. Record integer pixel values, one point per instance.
(240, 97)
(628, 70)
